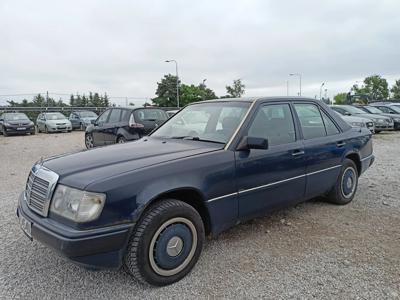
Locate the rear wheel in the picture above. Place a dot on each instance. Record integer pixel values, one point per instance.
(5, 132)
(346, 186)
(165, 244)
(89, 141)
(46, 130)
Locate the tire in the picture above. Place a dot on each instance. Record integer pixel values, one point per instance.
(89, 143)
(5, 132)
(34, 132)
(346, 186)
(165, 244)
(45, 130)
(81, 127)
(377, 131)
(121, 140)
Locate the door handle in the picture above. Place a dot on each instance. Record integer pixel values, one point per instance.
(298, 152)
(340, 144)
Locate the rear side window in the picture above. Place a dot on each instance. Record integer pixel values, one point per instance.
(150, 115)
(310, 120)
(275, 123)
(115, 116)
(330, 127)
(125, 115)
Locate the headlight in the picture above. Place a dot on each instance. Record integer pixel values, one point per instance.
(357, 124)
(6, 124)
(76, 205)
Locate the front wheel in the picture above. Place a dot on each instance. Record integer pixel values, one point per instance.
(346, 186)
(121, 140)
(165, 244)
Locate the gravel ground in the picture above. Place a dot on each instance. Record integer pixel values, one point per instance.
(314, 250)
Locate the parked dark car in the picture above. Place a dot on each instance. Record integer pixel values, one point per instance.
(16, 123)
(80, 119)
(376, 111)
(148, 205)
(119, 125)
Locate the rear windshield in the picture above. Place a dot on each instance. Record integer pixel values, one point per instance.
(87, 114)
(15, 117)
(150, 115)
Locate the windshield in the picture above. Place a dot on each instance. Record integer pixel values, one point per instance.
(15, 117)
(55, 116)
(213, 122)
(374, 110)
(354, 110)
(87, 114)
(150, 115)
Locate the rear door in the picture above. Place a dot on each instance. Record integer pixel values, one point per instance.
(324, 147)
(74, 119)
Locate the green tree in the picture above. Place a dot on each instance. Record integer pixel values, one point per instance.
(166, 92)
(72, 100)
(207, 93)
(190, 93)
(374, 88)
(396, 90)
(340, 98)
(106, 101)
(237, 90)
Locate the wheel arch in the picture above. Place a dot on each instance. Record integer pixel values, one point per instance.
(355, 157)
(188, 195)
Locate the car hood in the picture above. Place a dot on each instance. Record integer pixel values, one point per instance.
(54, 122)
(18, 122)
(392, 116)
(355, 119)
(82, 168)
(371, 116)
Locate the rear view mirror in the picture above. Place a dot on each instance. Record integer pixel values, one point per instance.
(248, 143)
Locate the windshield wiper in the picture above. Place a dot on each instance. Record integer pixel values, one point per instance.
(194, 138)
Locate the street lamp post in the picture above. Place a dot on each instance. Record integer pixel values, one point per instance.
(177, 79)
(297, 74)
(203, 85)
(320, 91)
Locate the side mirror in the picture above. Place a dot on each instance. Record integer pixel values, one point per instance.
(93, 122)
(248, 143)
(346, 113)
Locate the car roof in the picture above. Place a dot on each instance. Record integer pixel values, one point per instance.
(259, 99)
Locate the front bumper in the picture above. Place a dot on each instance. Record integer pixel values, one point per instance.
(93, 248)
(59, 128)
(19, 129)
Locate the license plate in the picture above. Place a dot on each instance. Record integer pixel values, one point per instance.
(62, 127)
(21, 128)
(26, 226)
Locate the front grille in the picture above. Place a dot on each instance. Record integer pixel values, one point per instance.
(39, 188)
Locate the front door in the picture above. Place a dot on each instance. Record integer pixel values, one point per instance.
(324, 148)
(98, 134)
(273, 178)
(110, 129)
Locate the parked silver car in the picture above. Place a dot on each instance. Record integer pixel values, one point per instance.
(380, 122)
(354, 121)
(53, 122)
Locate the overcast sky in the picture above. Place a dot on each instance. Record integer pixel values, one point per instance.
(119, 47)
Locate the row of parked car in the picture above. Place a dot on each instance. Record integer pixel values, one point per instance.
(19, 123)
(376, 117)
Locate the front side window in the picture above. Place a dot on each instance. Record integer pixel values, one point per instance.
(209, 121)
(275, 123)
(103, 117)
(310, 120)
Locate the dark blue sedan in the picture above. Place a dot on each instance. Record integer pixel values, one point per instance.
(148, 205)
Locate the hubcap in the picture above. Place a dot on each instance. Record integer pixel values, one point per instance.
(172, 246)
(89, 141)
(349, 182)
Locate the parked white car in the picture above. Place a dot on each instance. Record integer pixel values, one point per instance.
(53, 122)
(359, 122)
